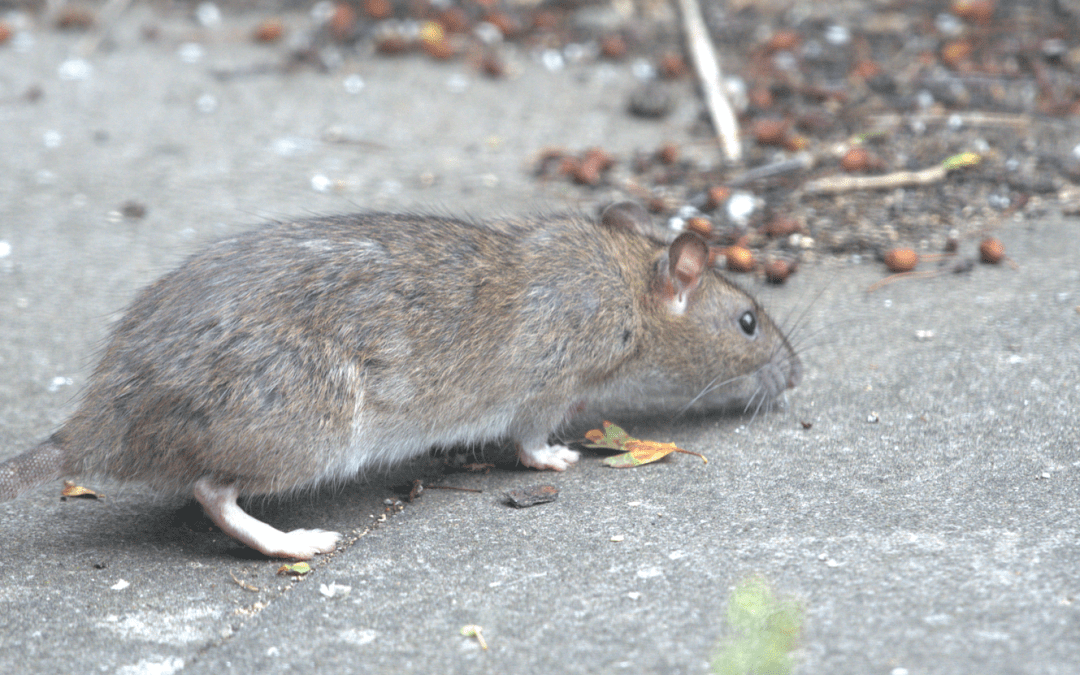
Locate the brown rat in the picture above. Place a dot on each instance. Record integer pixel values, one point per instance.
(305, 352)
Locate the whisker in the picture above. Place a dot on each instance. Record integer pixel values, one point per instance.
(762, 402)
(708, 389)
(750, 401)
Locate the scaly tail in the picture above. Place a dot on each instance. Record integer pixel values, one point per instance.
(30, 469)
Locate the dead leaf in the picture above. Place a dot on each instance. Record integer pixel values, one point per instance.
(78, 492)
(611, 438)
(635, 452)
(532, 495)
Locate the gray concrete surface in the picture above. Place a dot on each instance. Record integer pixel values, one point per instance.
(941, 539)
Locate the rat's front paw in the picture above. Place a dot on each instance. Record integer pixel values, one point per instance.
(557, 457)
(301, 544)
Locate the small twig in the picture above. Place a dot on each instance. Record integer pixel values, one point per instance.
(450, 487)
(837, 184)
(934, 174)
(707, 64)
(971, 119)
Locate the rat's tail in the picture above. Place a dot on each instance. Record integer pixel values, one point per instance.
(30, 469)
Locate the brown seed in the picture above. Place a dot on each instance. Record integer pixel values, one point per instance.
(378, 9)
(901, 259)
(5, 31)
(864, 70)
(717, 195)
(975, 11)
(454, 19)
(440, 48)
(760, 97)
(991, 250)
(784, 41)
(956, 52)
(545, 20)
(391, 43)
(702, 226)
(782, 226)
(342, 22)
(668, 154)
(587, 173)
(507, 25)
(796, 143)
(601, 158)
(739, 259)
(672, 66)
(770, 131)
(73, 17)
(269, 30)
(855, 159)
(592, 164)
(613, 47)
(492, 66)
(569, 165)
(777, 271)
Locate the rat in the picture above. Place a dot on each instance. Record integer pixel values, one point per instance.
(305, 352)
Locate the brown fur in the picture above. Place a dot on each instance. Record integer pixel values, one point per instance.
(306, 351)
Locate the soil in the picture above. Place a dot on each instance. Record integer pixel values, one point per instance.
(842, 88)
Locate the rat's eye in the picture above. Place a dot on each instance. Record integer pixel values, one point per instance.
(748, 323)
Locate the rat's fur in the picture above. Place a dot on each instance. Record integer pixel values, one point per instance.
(305, 352)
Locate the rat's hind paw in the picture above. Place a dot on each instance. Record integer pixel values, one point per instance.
(300, 544)
(219, 502)
(557, 457)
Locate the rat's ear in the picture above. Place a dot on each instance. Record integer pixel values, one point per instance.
(627, 216)
(687, 259)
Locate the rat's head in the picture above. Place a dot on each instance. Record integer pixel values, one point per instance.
(707, 343)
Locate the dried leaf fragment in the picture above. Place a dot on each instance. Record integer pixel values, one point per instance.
(296, 569)
(964, 159)
(532, 495)
(78, 492)
(472, 630)
(611, 438)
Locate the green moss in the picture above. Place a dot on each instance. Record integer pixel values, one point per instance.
(767, 627)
